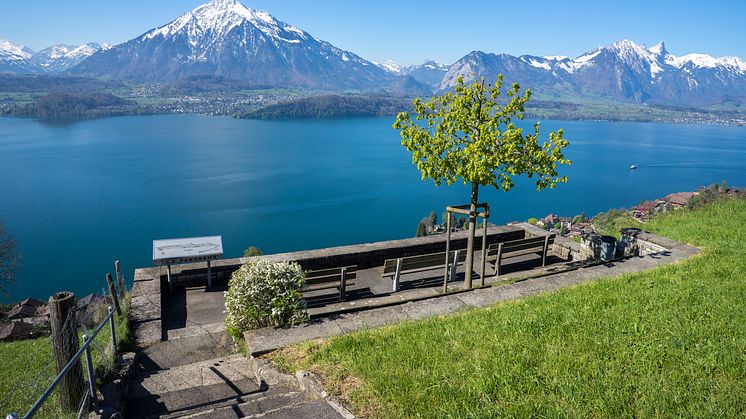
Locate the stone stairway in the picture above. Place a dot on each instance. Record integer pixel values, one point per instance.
(199, 376)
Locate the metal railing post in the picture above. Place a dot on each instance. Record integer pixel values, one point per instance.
(73, 361)
(113, 333)
(91, 373)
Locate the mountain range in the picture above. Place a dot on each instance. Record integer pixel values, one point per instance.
(622, 71)
(224, 38)
(56, 59)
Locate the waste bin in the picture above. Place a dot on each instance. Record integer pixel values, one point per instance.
(608, 248)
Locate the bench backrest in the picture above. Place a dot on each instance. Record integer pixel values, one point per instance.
(432, 260)
(530, 245)
(324, 276)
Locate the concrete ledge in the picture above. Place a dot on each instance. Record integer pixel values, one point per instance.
(146, 308)
(266, 340)
(365, 256)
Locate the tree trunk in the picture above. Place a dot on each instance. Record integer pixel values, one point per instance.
(472, 232)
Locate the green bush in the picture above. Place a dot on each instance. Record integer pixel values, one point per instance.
(265, 294)
(533, 221)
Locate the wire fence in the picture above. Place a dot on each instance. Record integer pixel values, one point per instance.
(29, 382)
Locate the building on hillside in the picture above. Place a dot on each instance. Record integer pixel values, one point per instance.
(578, 229)
(31, 302)
(21, 311)
(16, 331)
(548, 222)
(90, 309)
(647, 209)
(680, 199)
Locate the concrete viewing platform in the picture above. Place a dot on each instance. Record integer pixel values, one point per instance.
(188, 366)
(193, 310)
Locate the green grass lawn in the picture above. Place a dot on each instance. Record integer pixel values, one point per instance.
(665, 342)
(27, 368)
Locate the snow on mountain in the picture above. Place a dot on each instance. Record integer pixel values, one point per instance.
(429, 72)
(391, 67)
(225, 38)
(11, 51)
(623, 70)
(15, 58)
(60, 57)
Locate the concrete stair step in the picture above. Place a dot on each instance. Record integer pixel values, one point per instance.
(271, 401)
(315, 409)
(204, 373)
(194, 386)
(192, 400)
(196, 330)
(189, 349)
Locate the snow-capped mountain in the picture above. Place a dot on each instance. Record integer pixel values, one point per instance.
(391, 67)
(60, 57)
(15, 58)
(226, 38)
(623, 70)
(429, 72)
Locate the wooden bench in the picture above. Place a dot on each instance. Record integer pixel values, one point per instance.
(498, 252)
(395, 268)
(334, 278)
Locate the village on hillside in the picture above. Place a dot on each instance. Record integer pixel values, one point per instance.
(575, 227)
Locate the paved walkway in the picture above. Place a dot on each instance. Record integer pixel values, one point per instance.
(196, 372)
(266, 340)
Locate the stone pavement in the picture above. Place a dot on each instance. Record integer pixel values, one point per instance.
(266, 340)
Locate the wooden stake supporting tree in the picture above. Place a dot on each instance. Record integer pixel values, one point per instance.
(484, 215)
(469, 136)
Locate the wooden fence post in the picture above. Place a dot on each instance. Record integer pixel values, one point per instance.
(113, 293)
(120, 279)
(65, 345)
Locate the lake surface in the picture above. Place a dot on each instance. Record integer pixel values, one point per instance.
(78, 196)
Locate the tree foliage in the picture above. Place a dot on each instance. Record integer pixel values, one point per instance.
(10, 259)
(469, 135)
(252, 251)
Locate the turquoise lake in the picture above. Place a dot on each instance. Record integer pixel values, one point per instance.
(77, 196)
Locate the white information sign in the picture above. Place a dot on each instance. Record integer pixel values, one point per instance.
(191, 250)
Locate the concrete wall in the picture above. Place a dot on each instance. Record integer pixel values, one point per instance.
(365, 256)
(563, 247)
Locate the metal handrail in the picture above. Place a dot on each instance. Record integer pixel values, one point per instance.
(84, 349)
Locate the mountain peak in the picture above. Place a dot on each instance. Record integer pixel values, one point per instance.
(659, 49)
(222, 3)
(16, 51)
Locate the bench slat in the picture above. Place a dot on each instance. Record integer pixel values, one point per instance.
(421, 263)
(331, 279)
(326, 286)
(499, 252)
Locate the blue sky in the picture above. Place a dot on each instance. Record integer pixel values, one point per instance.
(410, 31)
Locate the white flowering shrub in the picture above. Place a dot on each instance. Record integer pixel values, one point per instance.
(265, 294)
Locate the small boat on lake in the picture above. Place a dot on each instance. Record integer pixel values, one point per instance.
(633, 167)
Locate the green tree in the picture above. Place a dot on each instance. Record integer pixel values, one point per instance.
(469, 135)
(421, 229)
(10, 259)
(252, 251)
(533, 221)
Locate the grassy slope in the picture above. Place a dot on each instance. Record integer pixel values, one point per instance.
(666, 342)
(27, 368)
